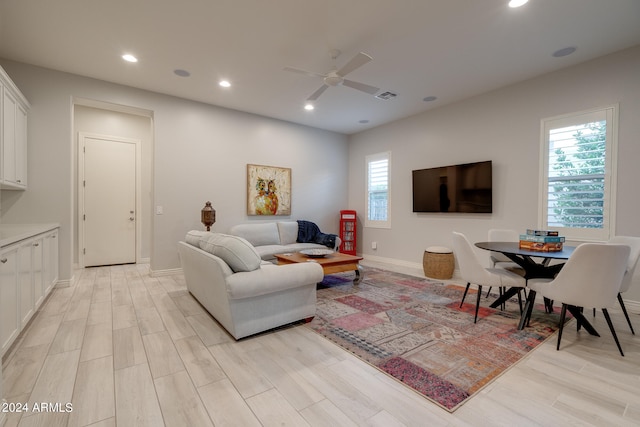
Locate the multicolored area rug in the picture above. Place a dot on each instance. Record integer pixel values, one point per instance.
(413, 329)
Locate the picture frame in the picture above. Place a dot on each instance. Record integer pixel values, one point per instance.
(268, 190)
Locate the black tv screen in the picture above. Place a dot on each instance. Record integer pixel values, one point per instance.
(456, 188)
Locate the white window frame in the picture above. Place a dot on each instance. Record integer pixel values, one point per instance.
(369, 159)
(610, 114)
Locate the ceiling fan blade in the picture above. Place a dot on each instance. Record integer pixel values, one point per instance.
(301, 71)
(315, 95)
(371, 90)
(356, 62)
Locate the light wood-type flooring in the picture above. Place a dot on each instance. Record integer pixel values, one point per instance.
(125, 349)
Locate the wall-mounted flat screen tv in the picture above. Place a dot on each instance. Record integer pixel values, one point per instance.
(456, 188)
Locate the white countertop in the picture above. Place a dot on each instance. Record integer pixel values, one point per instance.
(11, 233)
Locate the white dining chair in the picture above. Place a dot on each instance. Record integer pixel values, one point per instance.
(634, 255)
(591, 278)
(473, 272)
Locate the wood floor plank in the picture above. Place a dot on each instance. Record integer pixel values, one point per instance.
(162, 354)
(128, 349)
(272, 409)
(180, 402)
(56, 380)
(199, 362)
(149, 321)
(98, 341)
(136, 401)
(225, 405)
(93, 395)
(69, 336)
(21, 373)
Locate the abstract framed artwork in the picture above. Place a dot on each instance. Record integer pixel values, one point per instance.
(268, 190)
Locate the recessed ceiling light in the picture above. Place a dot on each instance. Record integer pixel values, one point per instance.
(224, 83)
(129, 58)
(517, 3)
(564, 52)
(309, 107)
(429, 98)
(364, 122)
(181, 73)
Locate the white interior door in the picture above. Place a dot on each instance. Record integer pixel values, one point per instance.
(109, 203)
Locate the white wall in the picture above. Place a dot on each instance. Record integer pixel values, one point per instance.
(502, 126)
(200, 153)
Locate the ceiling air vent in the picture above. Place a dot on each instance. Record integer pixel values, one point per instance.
(386, 95)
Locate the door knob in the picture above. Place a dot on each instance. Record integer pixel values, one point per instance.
(131, 218)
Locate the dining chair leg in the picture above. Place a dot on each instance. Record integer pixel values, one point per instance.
(626, 315)
(613, 331)
(465, 294)
(488, 292)
(563, 313)
(478, 303)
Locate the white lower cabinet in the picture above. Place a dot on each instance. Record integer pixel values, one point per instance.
(29, 270)
(9, 324)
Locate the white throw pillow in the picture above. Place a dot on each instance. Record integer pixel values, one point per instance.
(237, 252)
(193, 237)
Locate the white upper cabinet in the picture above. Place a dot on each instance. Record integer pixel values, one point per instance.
(13, 135)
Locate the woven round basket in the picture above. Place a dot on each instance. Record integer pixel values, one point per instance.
(438, 262)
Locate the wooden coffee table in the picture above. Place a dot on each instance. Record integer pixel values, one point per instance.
(333, 263)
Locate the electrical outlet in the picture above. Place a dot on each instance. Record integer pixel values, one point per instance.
(374, 245)
(159, 210)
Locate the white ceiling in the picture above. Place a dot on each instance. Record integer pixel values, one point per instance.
(452, 49)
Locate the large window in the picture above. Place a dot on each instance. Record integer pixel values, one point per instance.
(378, 173)
(579, 174)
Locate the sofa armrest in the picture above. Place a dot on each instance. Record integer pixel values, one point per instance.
(273, 278)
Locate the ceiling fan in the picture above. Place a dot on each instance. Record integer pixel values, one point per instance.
(335, 77)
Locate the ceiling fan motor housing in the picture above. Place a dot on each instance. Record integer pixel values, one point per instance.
(333, 79)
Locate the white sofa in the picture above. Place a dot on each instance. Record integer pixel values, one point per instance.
(270, 238)
(243, 293)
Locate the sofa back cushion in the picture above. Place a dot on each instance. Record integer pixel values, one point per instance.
(237, 252)
(258, 234)
(288, 231)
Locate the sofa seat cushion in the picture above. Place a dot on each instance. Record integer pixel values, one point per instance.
(297, 247)
(267, 252)
(237, 252)
(258, 234)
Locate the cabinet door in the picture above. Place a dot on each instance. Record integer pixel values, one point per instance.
(50, 262)
(21, 146)
(25, 284)
(9, 104)
(37, 271)
(9, 323)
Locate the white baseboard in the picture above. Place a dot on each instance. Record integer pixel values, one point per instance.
(64, 283)
(169, 272)
(392, 261)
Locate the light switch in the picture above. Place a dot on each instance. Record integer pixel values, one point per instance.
(159, 210)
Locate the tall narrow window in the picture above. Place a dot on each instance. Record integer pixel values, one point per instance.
(378, 175)
(578, 176)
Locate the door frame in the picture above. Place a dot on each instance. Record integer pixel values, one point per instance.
(81, 177)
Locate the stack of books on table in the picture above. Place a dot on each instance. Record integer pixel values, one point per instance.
(541, 240)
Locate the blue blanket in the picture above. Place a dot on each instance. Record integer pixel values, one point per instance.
(309, 232)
